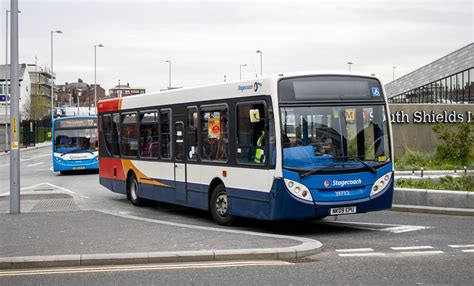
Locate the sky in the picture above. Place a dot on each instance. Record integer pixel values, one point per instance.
(206, 40)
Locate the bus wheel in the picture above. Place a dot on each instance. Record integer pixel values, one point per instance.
(220, 206)
(134, 192)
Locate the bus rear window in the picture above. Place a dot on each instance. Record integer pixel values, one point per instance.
(329, 88)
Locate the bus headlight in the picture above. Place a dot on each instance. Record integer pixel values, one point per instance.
(299, 190)
(381, 184)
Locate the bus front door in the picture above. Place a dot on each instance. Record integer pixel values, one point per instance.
(179, 163)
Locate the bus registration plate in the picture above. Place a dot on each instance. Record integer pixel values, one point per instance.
(343, 210)
(79, 168)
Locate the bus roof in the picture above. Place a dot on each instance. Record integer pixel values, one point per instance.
(72, 117)
(265, 85)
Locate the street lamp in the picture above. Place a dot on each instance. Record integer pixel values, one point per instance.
(242, 65)
(95, 75)
(393, 73)
(52, 73)
(78, 95)
(169, 71)
(350, 64)
(261, 66)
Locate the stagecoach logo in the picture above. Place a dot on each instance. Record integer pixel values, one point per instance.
(77, 157)
(341, 184)
(327, 183)
(253, 86)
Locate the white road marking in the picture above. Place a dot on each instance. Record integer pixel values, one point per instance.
(34, 186)
(36, 164)
(461, 245)
(468, 250)
(361, 254)
(148, 267)
(429, 252)
(412, 247)
(29, 159)
(354, 250)
(394, 228)
(51, 185)
(66, 190)
(405, 228)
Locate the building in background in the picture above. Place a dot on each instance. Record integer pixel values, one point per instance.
(448, 80)
(77, 98)
(441, 92)
(40, 91)
(25, 93)
(124, 90)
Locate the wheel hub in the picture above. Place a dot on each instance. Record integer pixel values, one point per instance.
(133, 190)
(221, 204)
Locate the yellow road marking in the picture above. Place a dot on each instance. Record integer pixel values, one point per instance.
(148, 267)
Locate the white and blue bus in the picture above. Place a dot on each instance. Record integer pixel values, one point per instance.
(75, 144)
(292, 146)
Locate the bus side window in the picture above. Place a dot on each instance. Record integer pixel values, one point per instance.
(165, 134)
(129, 135)
(251, 137)
(105, 125)
(115, 134)
(214, 133)
(192, 133)
(149, 136)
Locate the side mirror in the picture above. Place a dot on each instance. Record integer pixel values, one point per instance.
(254, 115)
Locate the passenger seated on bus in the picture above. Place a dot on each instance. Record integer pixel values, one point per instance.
(222, 149)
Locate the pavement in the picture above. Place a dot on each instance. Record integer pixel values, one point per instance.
(23, 149)
(56, 230)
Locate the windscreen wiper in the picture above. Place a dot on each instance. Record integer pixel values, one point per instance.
(306, 172)
(76, 151)
(312, 172)
(370, 168)
(69, 152)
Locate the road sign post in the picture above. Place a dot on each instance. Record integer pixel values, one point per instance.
(14, 114)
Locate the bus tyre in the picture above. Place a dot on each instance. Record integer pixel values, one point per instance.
(134, 192)
(220, 206)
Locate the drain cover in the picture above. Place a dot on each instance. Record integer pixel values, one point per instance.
(55, 205)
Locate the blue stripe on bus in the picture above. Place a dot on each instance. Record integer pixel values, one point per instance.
(91, 164)
(277, 204)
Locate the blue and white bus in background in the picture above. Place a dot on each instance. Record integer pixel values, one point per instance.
(75, 143)
(289, 146)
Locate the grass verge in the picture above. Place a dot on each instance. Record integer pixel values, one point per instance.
(464, 183)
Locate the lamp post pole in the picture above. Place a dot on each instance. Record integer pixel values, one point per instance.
(6, 82)
(242, 65)
(169, 72)
(14, 114)
(261, 64)
(95, 75)
(78, 94)
(350, 64)
(52, 73)
(393, 73)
